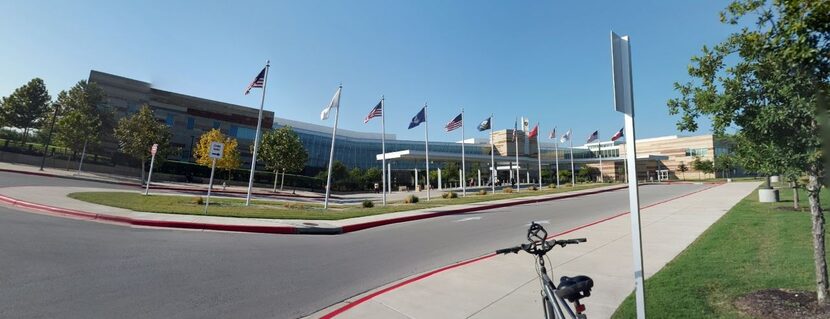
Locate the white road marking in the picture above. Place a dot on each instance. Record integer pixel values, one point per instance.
(468, 219)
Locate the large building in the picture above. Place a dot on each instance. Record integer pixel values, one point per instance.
(189, 117)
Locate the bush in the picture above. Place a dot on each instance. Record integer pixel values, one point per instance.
(449, 195)
(368, 204)
(507, 190)
(533, 188)
(198, 200)
(552, 186)
(410, 199)
(294, 205)
(482, 192)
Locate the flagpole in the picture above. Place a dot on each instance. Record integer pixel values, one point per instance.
(256, 137)
(463, 161)
(492, 157)
(539, 155)
(331, 155)
(573, 173)
(516, 142)
(601, 180)
(426, 147)
(556, 150)
(383, 143)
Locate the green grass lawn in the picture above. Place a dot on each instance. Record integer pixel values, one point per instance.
(171, 204)
(754, 246)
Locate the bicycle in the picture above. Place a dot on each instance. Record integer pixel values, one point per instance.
(570, 288)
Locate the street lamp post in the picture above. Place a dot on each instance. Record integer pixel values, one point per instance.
(49, 138)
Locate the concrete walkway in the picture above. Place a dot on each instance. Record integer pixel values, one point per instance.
(285, 194)
(507, 286)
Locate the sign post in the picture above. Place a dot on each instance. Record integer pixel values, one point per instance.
(216, 151)
(152, 161)
(624, 103)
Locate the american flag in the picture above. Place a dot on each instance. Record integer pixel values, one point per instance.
(594, 136)
(552, 134)
(454, 124)
(376, 111)
(258, 82)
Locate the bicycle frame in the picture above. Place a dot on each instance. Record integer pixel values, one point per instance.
(550, 302)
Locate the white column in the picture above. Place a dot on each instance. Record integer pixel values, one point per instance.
(440, 184)
(416, 178)
(479, 178)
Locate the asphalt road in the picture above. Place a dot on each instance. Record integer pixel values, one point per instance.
(61, 268)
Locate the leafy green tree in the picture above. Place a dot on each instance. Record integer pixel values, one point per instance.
(373, 175)
(683, 169)
(137, 133)
(587, 173)
(82, 116)
(766, 81)
(25, 107)
(450, 172)
(724, 163)
(565, 175)
(339, 173)
(281, 149)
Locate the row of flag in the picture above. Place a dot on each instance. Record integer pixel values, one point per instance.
(417, 120)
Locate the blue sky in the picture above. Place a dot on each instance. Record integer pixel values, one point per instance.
(546, 60)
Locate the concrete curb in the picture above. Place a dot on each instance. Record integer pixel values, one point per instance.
(311, 230)
(160, 187)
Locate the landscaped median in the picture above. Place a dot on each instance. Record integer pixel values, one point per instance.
(193, 205)
(733, 268)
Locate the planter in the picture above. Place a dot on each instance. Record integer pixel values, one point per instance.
(774, 179)
(768, 195)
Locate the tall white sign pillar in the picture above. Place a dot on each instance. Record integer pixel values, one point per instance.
(624, 103)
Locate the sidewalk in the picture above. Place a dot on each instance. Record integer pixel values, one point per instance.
(506, 286)
(54, 200)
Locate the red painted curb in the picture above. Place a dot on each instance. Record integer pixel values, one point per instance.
(371, 296)
(62, 212)
(361, 226)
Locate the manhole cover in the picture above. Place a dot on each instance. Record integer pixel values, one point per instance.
(310, 224)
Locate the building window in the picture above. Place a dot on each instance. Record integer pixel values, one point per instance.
(233, 131)
(216, 124)
(696, 152)
(245, 133)
(191, 122)
(169, 120)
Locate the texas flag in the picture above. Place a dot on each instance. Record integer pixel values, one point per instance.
(617, 135)
(534, 131)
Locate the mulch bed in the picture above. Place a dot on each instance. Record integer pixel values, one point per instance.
(782, 303)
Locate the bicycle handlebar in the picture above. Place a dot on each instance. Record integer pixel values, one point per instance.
(550, 243)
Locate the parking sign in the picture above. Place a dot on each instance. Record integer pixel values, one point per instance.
(216, 150)
(154, 149)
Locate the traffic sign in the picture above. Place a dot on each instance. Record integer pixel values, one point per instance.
(216, 150)
(154, 149)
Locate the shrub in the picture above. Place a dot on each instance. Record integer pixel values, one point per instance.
(367, 203)
(533, 188)
(198, 200)
(507, 190)
(552, 186)
(482, 192)
(449, 195)
(410, 199)
(294, 205)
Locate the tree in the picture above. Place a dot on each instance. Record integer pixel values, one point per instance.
(82, 116)
(281, 149)
(564, 175)
(767, 81)
(724, 163)
(339, 172)
(230, 155)
(26, 106)
(683, 169)
(137, 133)
(587, 173)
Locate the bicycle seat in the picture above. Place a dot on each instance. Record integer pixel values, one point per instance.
(574, 288)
